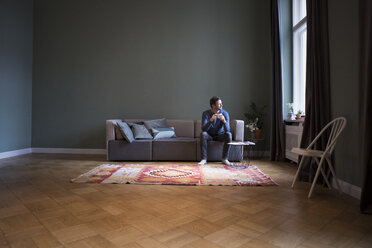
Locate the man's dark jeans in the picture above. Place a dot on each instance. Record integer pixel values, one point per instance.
(225, 137)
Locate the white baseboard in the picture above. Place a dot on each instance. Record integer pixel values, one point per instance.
(51, 150)
(68, 150)
(348, 188)
(15, 153)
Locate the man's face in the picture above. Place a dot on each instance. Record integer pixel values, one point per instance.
(217, 106)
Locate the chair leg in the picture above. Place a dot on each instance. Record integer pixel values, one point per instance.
(334, 175)
(316, 177)
(298, 171)
(324, 175)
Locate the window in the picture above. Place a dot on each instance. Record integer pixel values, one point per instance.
(299, 54)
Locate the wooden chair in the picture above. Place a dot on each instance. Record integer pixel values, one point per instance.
(336, 126)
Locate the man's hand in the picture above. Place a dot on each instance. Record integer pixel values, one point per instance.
(219, 116)
(222, 118)
(213, 117)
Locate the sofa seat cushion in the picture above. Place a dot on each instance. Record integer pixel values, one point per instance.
(176, 149)
(121, 150)
(176, 139)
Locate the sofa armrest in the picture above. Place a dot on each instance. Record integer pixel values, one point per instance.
(237, 130)
(110, 130)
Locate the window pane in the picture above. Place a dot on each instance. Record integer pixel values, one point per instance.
(299, 10)
(303, 70)
(299, 68)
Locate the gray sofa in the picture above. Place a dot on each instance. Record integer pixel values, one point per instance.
(185, 147)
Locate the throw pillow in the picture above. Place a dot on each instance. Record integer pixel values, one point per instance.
(163, 133)
(155, 123)
(125, 131)
(118, 135)
(140, 131)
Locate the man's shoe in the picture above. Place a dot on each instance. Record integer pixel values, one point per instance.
(202, 162)
(226, 162)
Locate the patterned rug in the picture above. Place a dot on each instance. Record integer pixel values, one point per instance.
(213, 174)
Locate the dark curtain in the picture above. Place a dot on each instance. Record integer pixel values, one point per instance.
(277, 135)
(317, 103)
(365, 103)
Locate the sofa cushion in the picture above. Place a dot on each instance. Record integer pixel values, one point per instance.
(138, 150)
(137, 121)
(198, 128)
(140, 131)
(163, 133)
(125, 131)
(158, 123)
(175, 149)
(183, 128)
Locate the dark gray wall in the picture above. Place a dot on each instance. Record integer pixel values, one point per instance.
(95, 60)
(16, 35)
(343, 39)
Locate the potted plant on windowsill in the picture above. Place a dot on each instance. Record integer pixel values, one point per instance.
(255, 120)
(299, 114)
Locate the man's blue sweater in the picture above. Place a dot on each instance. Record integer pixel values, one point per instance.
(217, 126)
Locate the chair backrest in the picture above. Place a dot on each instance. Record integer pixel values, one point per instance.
(337, 125)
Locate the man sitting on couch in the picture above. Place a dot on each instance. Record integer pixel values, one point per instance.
(215, 126)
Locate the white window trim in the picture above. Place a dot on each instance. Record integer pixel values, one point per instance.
(299, 69)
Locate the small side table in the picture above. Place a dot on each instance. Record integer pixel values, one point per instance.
(242, 144)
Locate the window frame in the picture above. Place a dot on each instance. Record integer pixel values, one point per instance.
(299, 39)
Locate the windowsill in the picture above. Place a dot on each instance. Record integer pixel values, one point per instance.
(299, 120)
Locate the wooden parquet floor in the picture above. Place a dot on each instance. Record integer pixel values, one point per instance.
(39, 207)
